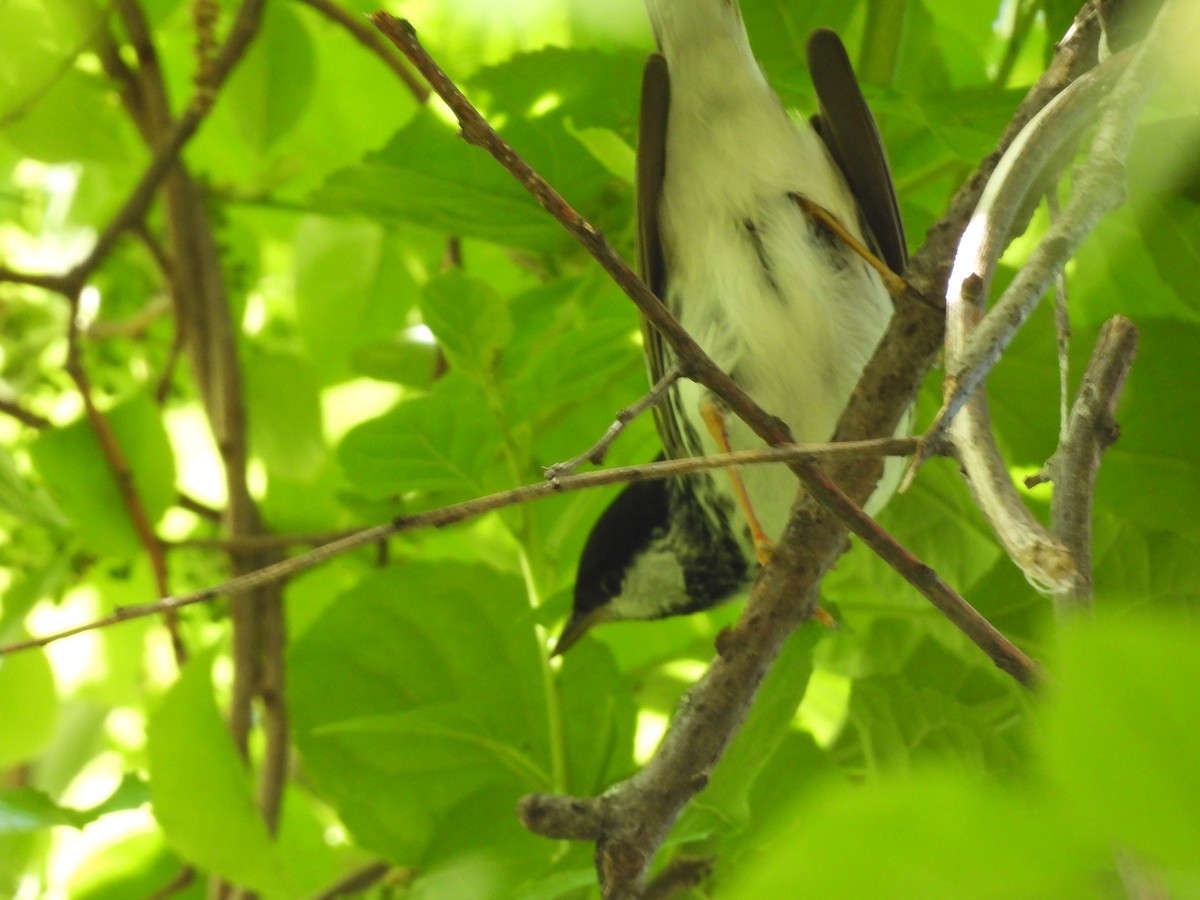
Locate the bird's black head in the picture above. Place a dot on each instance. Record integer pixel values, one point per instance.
(625, 530)
(662, 548)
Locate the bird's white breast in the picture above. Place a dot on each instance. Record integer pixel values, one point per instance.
(795, 339)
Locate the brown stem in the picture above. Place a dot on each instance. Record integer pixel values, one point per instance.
(595, 454)
(356, 882)
(25, 416)
(458, 512)
(110, 446)
(1091, 429)
(369, 38)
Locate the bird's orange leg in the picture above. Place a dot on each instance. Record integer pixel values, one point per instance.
(764, 547)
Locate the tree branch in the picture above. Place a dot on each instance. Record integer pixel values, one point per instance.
(369, 38)
(1091, 429)
(110, 448)
(595, 454)
(468, 509)
(134, 208)
(25, 416)
(1017, 177)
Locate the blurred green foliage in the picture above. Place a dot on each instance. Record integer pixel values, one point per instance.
(381, 378)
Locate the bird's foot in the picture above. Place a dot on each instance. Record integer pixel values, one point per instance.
(895, 285)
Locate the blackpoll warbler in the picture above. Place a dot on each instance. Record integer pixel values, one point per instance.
(771, 293)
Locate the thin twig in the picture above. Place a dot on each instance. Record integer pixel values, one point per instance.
(25, 416)
(945, 599)
(257, 543)
(468, 509)
(1062, 330)
(357, 881)
(205, 329)
(370, 39)
(122, 474)
(693, 362)
(182, 879)
(596, 453)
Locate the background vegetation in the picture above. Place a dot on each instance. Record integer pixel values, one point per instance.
(407, 329)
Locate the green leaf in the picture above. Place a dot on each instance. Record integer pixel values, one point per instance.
(597, 702)
(1119, 261)
(44, 94)
(1151, 474)
(933, 835)
(28, 706)
(36, 38)
(24, 809)
(52, 134)
(135, 865)
(777, 33)
(1170, 229)
(1122, 735)
(414, 690)
(1138, 570)
(23, 500)
(470, 321)
(404, 358)
(79, 477)
(481, 851)
(202, 794)
(593, 88)
(568, 367)
(283, 400)
(272, 86)
(938, 521)
(726, 799)
(440, 443)
(353, 290)
(425, 176)
(937, 703)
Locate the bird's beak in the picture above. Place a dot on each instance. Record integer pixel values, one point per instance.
(577, 626)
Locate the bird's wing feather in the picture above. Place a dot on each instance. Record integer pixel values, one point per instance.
(651, 163)
(846, 126)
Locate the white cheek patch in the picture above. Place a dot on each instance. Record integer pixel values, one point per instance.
(652, 586)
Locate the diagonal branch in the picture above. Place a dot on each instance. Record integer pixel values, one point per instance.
(369, 38)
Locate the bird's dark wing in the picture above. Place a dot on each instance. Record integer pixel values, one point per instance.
(846, 126)
(651, 164)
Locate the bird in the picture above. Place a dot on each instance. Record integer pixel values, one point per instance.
(727, 181)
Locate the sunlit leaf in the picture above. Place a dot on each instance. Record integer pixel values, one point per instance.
(201, 790)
